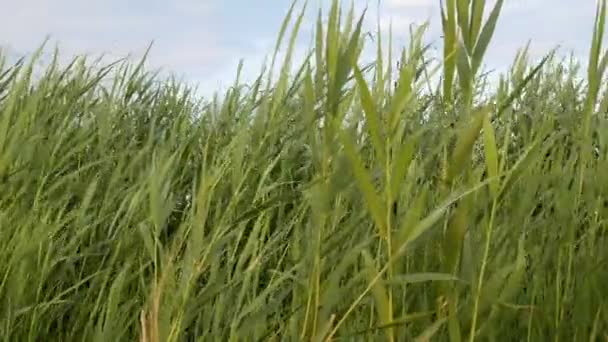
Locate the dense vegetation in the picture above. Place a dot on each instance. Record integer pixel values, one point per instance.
(334, 201)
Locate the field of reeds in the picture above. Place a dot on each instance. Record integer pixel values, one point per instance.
(333, 201)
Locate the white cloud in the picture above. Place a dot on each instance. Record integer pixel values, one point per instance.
(410, 3)
(194, 41)
(185, 41)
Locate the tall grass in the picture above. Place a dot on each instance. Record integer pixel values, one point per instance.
(326, 203)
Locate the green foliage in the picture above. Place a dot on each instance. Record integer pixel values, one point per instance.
(328, 204)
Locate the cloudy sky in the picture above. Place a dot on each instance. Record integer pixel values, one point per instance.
(202, 40)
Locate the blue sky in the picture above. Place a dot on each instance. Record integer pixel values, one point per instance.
(202, 40)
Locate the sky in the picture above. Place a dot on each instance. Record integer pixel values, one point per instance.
(202, 41)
